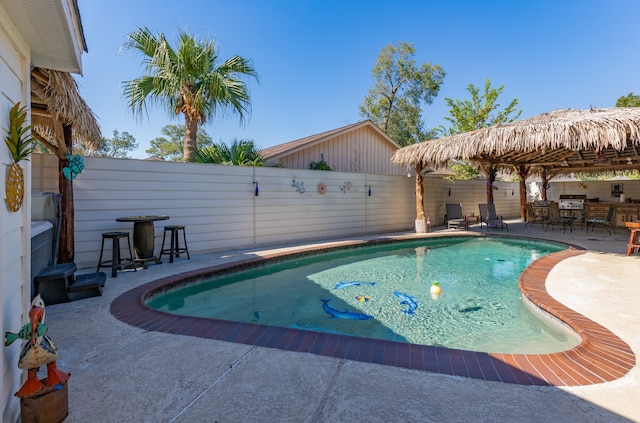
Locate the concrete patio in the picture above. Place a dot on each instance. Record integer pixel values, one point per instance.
(122, 373)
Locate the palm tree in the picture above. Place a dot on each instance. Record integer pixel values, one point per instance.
(188, 80)
(239, 153)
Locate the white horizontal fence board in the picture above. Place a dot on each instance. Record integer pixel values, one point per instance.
(218, 206)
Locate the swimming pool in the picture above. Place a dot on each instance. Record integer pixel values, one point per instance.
(480, 308)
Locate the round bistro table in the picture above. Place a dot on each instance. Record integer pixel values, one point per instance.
(143, 237)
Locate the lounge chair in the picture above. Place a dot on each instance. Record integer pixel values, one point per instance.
(488, 217)
(595, 221)
(454, 218)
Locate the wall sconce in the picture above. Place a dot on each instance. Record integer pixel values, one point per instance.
(346, 187)
(299, 186)
(368, 190)
(449, 193)
(256, 189)
(408, 172)
(513, 191)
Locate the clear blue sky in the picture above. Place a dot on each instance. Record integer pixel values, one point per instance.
(314, 57)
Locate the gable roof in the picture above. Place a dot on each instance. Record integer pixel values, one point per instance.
(281, 150)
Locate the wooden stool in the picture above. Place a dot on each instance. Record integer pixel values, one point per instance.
(116, 262)
(175, 245)
(634, 237)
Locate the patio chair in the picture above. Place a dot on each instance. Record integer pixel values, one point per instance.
(488, 217)
(554, 218)
(533, 216)
(454, 217)
(595, 221)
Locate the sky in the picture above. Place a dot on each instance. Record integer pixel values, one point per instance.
(314, 57)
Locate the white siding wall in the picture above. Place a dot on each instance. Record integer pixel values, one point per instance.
(361, 150)
(15, 229)
(594, 189)
(218, 206)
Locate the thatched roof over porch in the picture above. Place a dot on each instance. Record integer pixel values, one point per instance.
(558, 142)
(56, 101)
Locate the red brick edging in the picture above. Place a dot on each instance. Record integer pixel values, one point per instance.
(601, 356)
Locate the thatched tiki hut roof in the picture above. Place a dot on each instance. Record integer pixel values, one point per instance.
(556, 142)
(56, 102)
(59, 116)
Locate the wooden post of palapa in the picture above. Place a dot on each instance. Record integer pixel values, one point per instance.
(421, 223)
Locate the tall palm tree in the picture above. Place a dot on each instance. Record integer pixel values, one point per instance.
(188, 80)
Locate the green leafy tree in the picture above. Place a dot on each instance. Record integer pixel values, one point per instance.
(629, 100)
(481, 111)
(170, 146)
(116, 147)
(400, 90)
(238, 153)
(188, 80)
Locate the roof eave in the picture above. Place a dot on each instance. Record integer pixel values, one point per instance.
(53, 31)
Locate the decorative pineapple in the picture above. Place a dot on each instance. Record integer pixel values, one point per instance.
(20, 146)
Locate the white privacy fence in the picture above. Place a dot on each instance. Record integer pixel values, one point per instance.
(219, 206)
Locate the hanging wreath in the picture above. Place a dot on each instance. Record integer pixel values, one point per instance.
(322, 188)
(74, 167)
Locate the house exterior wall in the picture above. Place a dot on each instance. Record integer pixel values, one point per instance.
(218, 203)
(15, 229)
(361, 150)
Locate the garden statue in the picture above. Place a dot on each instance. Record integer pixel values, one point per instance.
(37, 350)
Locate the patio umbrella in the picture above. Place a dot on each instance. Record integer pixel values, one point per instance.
(556, 142)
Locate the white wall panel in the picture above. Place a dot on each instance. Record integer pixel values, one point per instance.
(218, 206)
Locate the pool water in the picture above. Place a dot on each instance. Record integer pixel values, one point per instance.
(388, 287)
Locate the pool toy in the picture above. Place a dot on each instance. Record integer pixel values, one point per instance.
(412, 302)
(435, 288)
(37, 350)
(342, 285)
(337, 314)
(363, 298)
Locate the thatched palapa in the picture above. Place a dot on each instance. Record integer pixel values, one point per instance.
(55, 101)
(61, 117)
(553, 143)
(561, 141)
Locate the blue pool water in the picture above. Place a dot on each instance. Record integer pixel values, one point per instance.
(387, 288)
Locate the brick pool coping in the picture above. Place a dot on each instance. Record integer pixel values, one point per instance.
(601, 356)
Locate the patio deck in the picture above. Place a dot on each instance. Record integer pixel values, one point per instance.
(124, 373)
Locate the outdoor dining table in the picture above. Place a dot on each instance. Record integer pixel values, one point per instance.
(143, 237)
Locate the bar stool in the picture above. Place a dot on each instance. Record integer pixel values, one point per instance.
(634, 237)
(116, 262)
(175, 245)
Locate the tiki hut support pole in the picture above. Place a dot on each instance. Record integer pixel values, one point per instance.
(67, 252)
(545, 182)
(491, 178)
(523, 174)
(421, 223)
